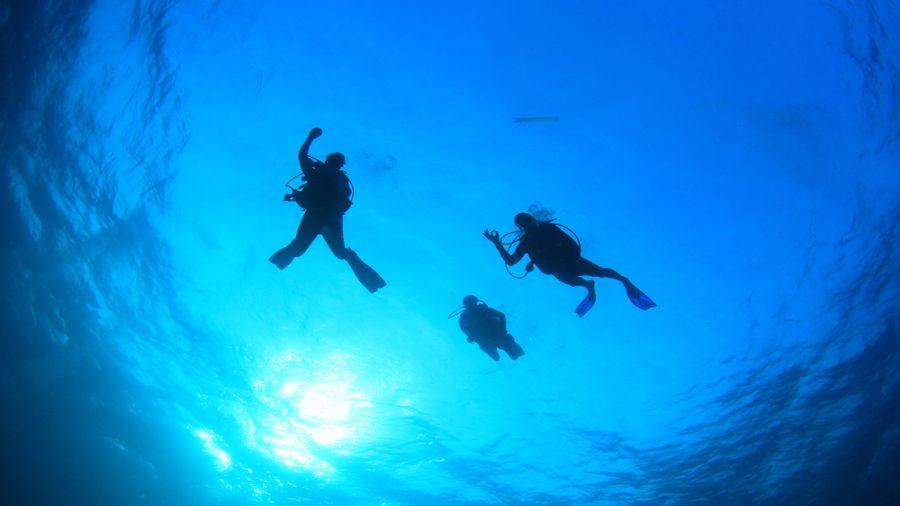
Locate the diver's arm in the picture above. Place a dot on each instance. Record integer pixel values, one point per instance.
(516, 255)
(513, 259)
(303, 156)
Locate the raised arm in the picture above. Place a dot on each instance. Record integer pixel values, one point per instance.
(303, 156)
(510, 259)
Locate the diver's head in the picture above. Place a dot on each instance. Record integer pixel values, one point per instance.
(470, 301)
(335, 161)
(526, 222)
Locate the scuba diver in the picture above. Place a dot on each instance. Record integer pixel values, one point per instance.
(555, 252)
(486, 327)
(325, 196)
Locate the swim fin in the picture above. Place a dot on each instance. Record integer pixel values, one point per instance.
(587, 303)
(282, 258)
(490, 350)
(365, 274)
(638, 298)
(514, 351)
(511, 347)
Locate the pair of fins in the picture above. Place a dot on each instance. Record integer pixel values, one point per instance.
(506, 343)
(364, 273)
(635, 295)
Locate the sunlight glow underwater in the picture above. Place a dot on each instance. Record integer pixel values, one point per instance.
(307, 403)
(212, 443)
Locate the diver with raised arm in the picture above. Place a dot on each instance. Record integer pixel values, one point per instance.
(325, 196)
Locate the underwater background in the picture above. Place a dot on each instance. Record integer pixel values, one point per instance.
(737, 160)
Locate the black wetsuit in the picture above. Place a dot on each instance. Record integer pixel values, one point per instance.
(326, 197)
(487, 327)
(551, 249)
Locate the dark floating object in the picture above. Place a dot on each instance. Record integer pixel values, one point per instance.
(531, 119)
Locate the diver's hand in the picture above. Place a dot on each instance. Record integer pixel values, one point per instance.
(492, 235)
(529, 267)
(315, 133)
(288, 197)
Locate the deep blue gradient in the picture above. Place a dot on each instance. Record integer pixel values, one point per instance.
(737, 161)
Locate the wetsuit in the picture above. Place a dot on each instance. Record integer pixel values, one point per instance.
(487, 327)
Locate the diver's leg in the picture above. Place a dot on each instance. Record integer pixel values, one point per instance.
(333, 232)
(572, 280)
(366, 275)
(490, 350)
(511, 347)
(306, 234)
(310, 226)
(587, 268)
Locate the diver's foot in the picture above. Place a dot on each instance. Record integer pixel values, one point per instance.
(588, 301)
(281, 259)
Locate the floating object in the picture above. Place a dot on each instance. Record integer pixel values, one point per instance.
(535, 119)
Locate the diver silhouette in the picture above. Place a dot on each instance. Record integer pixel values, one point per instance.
(487, 327)
(326, 195)
(555, 252)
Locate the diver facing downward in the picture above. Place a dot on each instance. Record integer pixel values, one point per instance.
(553, 252)
(325, 197)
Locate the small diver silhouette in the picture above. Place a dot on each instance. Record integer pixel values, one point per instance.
(486, 327)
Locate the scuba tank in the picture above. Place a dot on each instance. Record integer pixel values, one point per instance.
(566, 238)
(322, 190)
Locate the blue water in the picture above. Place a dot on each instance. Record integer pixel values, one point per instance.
(737, 161)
